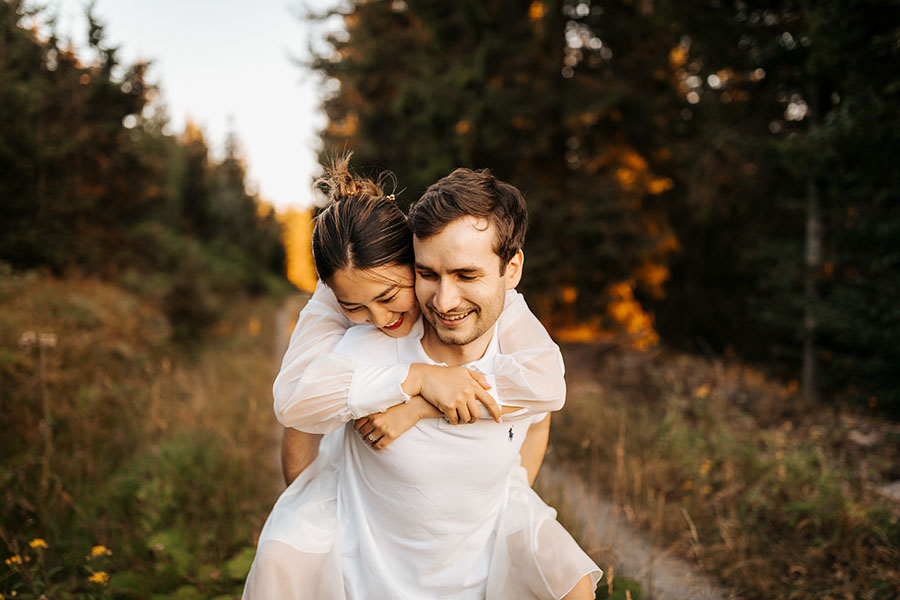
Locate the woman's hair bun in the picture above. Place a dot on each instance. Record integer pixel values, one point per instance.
(339, 182)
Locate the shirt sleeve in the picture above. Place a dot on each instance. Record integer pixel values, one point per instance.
(312, 388)
(529, 370)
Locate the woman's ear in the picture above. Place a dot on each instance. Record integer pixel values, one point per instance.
(513, 272)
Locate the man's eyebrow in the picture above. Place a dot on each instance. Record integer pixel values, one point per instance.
(459, 270)
(467, 270)
(385, 293)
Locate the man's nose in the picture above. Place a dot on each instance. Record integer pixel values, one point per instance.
(446, 297)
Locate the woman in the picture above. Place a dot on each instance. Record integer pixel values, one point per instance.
(363, 251)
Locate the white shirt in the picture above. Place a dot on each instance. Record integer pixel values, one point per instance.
(418, 519)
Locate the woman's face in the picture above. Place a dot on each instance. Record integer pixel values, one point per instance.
(382, 296)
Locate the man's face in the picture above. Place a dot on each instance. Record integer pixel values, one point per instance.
(458, 282)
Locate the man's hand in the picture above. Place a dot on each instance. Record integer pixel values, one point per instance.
(455, 391)
(381, 429)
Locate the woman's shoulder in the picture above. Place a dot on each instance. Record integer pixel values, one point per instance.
(368, 344)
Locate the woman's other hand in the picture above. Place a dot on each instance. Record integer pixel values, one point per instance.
(381, 429)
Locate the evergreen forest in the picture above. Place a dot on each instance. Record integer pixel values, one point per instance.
(714, 242)
(93, 181)
(725, 165)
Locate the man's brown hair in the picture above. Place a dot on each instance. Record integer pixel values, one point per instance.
(465, 193)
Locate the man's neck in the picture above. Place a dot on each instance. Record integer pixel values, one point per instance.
(455, 355)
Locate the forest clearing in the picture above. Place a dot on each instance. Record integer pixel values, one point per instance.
(137, 467)
(713, 219)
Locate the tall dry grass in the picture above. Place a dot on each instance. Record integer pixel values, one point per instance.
(719, 464)
(116, 436)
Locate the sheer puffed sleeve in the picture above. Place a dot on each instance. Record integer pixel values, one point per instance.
(529, 370)
(317, 389)
(312, 390)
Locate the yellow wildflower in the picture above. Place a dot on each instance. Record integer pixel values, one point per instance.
(101, 577)
(15, 559)
(100, 550)
(38, 543)
(705, 466)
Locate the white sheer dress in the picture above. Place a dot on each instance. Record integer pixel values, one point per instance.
(444, 512)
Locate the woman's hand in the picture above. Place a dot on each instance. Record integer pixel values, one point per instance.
(455, 391)
(381, 429)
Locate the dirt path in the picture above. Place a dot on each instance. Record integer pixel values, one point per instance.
(285, 319)
(606, 531)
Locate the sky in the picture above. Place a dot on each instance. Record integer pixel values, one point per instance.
(225, 64)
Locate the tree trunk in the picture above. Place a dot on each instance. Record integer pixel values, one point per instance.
(813, 266)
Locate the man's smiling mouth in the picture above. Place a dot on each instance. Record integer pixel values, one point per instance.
(452, 318)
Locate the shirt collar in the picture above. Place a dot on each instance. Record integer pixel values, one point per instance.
(411, 350)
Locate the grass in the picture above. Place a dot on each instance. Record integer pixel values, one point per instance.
(116, 437)
(137, 467)
(722, 466)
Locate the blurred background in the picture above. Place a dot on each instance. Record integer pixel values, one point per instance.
(714, 241)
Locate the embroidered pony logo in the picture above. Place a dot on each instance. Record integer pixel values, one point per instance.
(510, 434)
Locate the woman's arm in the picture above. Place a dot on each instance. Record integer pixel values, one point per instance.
(319, 328)
(529, 370)
(318, 389)
(529, 373)
(389, 425)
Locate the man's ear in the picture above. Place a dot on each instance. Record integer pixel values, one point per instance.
(513, 272)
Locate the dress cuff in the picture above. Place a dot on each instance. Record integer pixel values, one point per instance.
(376, 389)
(492, 381)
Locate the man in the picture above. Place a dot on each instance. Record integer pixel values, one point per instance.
(533, 373)
(431, 516)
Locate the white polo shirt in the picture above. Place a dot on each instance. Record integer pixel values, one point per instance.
(418, 519)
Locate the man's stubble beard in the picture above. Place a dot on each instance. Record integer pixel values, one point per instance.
(451, 338)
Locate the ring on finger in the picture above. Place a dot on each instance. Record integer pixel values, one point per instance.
(370, 437)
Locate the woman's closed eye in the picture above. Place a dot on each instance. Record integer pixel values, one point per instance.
(389, 300)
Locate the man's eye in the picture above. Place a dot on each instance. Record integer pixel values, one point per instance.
(467, 277)
(427, 276)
